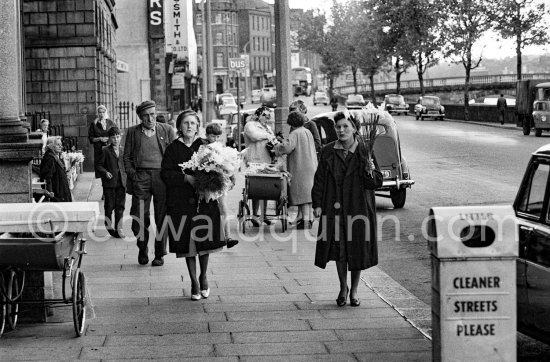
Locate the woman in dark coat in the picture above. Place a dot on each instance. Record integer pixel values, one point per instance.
(52, 171)
(182, 206)
(98, 134)
(343, 193)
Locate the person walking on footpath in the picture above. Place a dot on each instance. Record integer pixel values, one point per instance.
(98, 134)
(53, 172)
(143, 151)
(113, 180)
(343, 197)
(299, 105)
(333, 101)
(213, 134)
(501, 106)
(302, 163)
(183, 207)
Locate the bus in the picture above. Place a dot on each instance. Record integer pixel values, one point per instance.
(301, 81)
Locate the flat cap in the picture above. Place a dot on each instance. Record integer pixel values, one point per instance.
(145, 105)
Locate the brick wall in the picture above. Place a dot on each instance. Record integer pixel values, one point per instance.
(70, 62)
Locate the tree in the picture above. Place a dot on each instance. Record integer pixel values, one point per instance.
(315, 35)
(424, 36)
(373, 43)
(394, 22)
(522, 20)
(467, 21)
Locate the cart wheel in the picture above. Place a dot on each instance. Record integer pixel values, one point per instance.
(3, 304)
(79, 302)
(13, 290)
(398, 198)
(284, 216)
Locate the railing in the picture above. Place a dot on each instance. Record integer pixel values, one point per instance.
(126, 115)
(502, 79)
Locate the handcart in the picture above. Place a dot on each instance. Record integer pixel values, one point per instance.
(266, 187)
(44, 237)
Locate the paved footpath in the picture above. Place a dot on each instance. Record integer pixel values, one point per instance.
(268, 302)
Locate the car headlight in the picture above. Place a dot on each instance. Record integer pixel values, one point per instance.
(442, 109)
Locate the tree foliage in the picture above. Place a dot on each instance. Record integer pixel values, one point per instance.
(467, 21)
(524, 21)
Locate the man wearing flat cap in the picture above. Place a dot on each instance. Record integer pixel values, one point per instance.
(143, 151)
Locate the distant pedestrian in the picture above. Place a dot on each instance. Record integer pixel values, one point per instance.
(53, 172)
(501, 106)
(302, 163)
(343, 196)
(299, 105)
(143, 151)
(184, 209)
(97, 133)
(45, 130)
(213, 134)
(333, 102)
(113, 179)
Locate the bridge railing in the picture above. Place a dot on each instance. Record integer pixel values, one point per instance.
(440, 82)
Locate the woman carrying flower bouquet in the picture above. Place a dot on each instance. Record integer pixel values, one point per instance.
(183, 207)
(257, 134)
(343, 196)
(302, 163)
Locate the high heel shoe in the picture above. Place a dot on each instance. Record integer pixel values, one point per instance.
(354, 302)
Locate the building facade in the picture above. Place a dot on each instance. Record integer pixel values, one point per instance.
(70, 62)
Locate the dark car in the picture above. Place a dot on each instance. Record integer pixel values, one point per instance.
(355, 101)
(269, 97)
(395, 103)
(387, 149)
(429, 106)
(532, 207)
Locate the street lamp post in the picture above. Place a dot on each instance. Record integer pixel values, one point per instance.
(247, 94)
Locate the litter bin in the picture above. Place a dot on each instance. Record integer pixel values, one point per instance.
(473, 253)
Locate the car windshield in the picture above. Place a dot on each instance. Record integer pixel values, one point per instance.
(430, 101)
(355, 98)
(320, 94)
(228, 101)
(396, 99)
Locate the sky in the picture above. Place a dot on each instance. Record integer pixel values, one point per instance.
(492, 48)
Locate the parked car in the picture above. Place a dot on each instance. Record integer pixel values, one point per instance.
(227, 105)
(320, 97)
(429, 106)
(387, 150)
(533, 266)
(355, 101)
(256, 96)
(269, 97)
(395, 103)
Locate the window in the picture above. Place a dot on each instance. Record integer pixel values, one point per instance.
(533, 193)
(219, 38)
(199, 39)
(218, 19)
(199, 18)
(219, 60)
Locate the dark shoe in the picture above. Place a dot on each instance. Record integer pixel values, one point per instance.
(113, 233)
(300, 225)
(341, 300)
(231, 242)
(255, 223)
(266, 221)
(354, 302)
(142, 256)
(157, 262)
(311, 224)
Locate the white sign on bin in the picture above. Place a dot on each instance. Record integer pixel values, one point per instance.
(458, 227)
(474, 250)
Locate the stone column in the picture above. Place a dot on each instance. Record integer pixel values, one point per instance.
(282, 65)
(16, 152)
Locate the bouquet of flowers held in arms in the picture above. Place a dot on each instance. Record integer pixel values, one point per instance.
(368, 120)
(72, 160)
(213, 165)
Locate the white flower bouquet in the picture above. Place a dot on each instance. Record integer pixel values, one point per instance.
(213, 165)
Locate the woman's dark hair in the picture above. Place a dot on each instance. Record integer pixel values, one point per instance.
(214, 128)
(182, 115)
(261, 110)
(296, 119)
(354, 122)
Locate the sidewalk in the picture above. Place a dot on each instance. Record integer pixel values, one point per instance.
(268, 302)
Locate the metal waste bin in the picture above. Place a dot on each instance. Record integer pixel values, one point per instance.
(473, 253)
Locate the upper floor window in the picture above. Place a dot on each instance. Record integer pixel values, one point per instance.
(219, 38)
(199, 18)
(219, 60)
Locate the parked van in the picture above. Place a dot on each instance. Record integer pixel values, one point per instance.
(541, 108)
